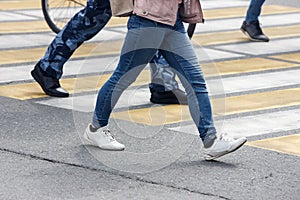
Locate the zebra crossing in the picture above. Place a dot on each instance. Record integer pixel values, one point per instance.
(255, 87)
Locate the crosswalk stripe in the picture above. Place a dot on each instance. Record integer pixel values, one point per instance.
(34, 54)
(26, 91)
(86, 50)
(41, 25)
(236, 104)
(21, 4)
(24, 27)
(285, 144)
(294, 57)
(232, 67)
(31, 90)
(221, 68)
(241, 11)
(252, 125)
(237, 36)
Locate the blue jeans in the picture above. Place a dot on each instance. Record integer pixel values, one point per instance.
(84, 26)
(254, 10)
(143, 39)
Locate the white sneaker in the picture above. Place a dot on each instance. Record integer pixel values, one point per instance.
(222, 146)
(103, 139)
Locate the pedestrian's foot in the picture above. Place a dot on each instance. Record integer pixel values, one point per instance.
(176, 96)
(49, 84)
(222, 146)
(253, 31)
(102, 138)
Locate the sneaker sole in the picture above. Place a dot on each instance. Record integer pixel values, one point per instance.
(208, 157)
(250, 38)
(86, 137)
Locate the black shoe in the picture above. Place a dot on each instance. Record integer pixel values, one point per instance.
(170, 97)
(49, 85)
(254, 32)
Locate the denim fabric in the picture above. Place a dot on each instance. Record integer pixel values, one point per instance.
(254, 10)
(143, 39)
(82, 27)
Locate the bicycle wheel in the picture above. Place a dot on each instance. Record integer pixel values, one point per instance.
(58, 12)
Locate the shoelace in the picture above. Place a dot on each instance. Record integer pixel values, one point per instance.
(109, 135)
(225, 137)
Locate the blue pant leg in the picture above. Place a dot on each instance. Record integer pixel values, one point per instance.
(82, 27)
(177, 49)
(162, 75)
(254, 10)
(134, 57)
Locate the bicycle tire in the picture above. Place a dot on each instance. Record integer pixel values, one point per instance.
(58, 12)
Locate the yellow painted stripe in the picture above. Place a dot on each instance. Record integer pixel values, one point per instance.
(20, 4)
(24, 27)
(237, 104)
(259, 101)
(290, 57)
(244, 65)
(238, 36)
(286, 144)
(73, 85)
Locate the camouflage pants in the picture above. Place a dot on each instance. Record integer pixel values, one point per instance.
(85, 25)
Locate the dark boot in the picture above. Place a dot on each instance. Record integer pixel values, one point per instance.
(169, 97)
(253, 31)
(49, 84)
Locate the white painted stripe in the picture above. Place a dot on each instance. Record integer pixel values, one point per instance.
(72, 67)
(24, 41)
(86, 103)
(38, 13)
(235, 24)
(253, 125)
(209, 55)
(10, 16)
(254, 82)
(44, 39)
(260, 48)
(208, 4)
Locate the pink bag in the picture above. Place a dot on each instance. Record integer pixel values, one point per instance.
(191, 11)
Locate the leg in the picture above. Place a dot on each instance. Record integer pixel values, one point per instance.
(254, 10)
(251, 27)
(134, 57)
(178, 51)
(83, 26)
(163, 87)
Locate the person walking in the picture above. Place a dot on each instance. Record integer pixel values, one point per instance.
(251, 26)
(157, 25)
(82, 27)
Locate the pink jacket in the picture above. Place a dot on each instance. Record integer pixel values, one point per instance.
(163, 11)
